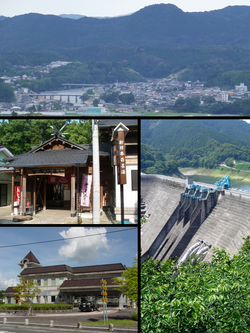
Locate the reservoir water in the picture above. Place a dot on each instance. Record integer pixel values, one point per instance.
(212, 180)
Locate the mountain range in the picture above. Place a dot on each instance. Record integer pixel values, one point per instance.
(156, 25)
(164, 135)
(157, 40)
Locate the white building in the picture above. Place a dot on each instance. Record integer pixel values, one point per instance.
(224, 96)
(242, 89)
(62, 283)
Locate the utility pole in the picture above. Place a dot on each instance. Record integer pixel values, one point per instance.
(96, 172)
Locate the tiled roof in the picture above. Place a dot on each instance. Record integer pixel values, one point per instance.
(84, 283)
(98, 268)
(30, 256)
(73, 270)
(53, 158)
(10, 290)
(47, 269)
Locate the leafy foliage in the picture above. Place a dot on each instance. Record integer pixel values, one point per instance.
(202, 143)
(128, 284)
(197, 297)
(20, 135)
(82, 73)
(27, 290)
(154, 162)
(6, 93)
(36, 307)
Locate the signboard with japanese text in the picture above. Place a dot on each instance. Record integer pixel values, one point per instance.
(121, 158)
(59, 180)
(85, 191)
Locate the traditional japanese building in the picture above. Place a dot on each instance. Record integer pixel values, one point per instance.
(58, 174)
(62, 283)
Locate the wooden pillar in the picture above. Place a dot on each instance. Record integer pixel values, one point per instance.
(101, 196)
(34, 195)
(44, 194)
(12, 192)
(24, 193)
(21, 193)
(73, 191)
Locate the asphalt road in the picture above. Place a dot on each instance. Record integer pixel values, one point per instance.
(62, 320)
(26, 330)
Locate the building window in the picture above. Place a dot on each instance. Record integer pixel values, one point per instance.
(53, 282)
(38, 282)
(131, 150)
(45, 282)
(134, 177)
(53, 298)
(61, 280)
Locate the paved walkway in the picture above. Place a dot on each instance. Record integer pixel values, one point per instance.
(52, 216)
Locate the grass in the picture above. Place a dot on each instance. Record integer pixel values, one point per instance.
(123, 322)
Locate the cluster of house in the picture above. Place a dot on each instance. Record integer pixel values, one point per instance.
(154, 94)
(59, 174)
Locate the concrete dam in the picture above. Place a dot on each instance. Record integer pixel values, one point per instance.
(177, 218)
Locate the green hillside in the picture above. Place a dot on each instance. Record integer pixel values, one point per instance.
(194, 143)
(155, 41)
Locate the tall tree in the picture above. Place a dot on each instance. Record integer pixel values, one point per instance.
(27, 290)
(128, 284)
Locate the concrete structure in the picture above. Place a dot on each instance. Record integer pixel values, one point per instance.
(242, 89)
(175, 222)
(224, 96)
(62, 283)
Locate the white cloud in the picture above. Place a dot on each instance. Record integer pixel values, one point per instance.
(84, 249)
(4, 284)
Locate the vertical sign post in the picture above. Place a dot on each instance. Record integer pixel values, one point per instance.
(121, 131)
(104, 299)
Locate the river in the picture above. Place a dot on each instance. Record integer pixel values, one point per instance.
(211, 180)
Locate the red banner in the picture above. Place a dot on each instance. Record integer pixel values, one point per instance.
(17, 194)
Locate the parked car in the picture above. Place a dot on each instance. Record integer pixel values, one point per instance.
(88, 306)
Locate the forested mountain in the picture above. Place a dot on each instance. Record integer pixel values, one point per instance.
(156, 25)
(156, 41)
(196, 143)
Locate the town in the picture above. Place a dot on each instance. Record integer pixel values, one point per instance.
(152, 96)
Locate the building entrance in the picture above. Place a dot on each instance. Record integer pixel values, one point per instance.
(55, 196)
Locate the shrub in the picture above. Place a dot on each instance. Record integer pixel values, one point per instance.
(134, 316)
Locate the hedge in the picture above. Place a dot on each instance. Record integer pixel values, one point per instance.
(9, 307)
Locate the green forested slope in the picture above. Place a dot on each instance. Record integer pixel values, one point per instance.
(194, 143)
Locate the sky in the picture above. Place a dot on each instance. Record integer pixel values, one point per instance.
(108, 8)
(101, 245)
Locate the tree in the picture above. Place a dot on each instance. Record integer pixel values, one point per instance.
(96, 101)
(81, 132)
(127, 98)
(128, 284)
(85, 97)
(26, 291)
(6, 93)
(1, 295)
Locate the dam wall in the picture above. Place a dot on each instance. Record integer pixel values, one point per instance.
(160, 195)
(227, 225)
(176, 221)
